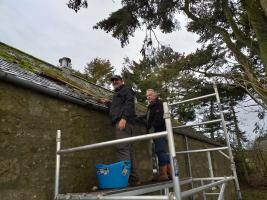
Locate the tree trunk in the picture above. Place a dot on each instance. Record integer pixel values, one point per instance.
(264, 6)
(212, 116)
(258, 21)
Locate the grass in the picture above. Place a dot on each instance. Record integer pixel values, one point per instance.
(253, 193)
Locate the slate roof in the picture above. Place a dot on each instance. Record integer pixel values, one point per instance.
(15, 70)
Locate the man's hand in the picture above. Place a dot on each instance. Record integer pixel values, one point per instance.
(151, 130)
(121, 124)
(104, 100)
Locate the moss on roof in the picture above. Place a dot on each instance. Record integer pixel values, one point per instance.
(24, 60)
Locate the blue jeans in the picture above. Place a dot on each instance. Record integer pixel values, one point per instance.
(160, 150)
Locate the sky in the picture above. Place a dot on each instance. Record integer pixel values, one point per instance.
(49, 30)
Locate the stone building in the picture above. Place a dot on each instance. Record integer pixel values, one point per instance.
(37, 99)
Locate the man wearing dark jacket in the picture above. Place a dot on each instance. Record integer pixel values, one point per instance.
(156, 123)
(122, 113)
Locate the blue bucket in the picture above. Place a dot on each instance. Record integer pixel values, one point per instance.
(115, 175)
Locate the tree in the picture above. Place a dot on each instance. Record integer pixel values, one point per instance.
(141, 76)
(240, 138)
(159, 71)
(258, 147)
(163, 71)
(233, 34)
(99, 71)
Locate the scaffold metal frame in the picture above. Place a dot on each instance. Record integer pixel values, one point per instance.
(137, 193)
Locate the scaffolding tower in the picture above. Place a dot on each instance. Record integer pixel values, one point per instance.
(138, 192)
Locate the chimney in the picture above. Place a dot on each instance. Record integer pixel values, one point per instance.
(65, 62)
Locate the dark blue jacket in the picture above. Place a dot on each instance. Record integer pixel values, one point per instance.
(122, 105)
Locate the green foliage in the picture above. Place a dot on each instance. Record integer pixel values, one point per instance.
(260, 138)
(140, 76)
(233, 34)
(250, 192)
(99, 71)
(77, 4)
(121, 23)
(124, 22)
(165, 72)
(259, 126)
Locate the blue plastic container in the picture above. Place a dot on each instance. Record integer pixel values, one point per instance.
(112, 176)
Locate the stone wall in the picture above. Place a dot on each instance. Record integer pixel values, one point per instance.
(28, 124)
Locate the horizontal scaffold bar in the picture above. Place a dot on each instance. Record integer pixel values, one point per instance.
(118, 198)
(114, 142)
(213, 178)
(198, 124)
(201, 150)
(193, 99)
(211, 193)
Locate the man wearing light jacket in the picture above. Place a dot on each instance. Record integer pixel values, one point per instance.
(156, 123)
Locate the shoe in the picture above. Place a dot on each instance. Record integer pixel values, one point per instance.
(134, 183)
(134, 180)
(163, 176)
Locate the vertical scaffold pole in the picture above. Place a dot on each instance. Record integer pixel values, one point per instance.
(173, 160)
(203, 192)
(58, 140)
(210, 165)
(233, 168)
(189, 164)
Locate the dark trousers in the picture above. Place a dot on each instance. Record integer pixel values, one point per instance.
(160, 150)
(125, 151)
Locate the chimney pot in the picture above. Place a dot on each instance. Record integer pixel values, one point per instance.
(65, 62)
